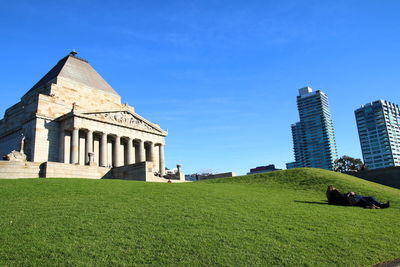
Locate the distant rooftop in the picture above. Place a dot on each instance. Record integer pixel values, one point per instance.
(378, 102)
(305, 90)
(308, 91)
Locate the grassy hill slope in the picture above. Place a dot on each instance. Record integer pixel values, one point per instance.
(280, 218)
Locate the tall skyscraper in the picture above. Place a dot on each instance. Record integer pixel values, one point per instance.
(378, 126)
(313, 136)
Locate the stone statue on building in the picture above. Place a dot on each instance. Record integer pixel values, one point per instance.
(17, 155)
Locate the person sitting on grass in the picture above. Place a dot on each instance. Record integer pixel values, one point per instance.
(335, 197)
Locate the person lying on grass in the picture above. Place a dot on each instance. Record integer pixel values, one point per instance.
(335, 197)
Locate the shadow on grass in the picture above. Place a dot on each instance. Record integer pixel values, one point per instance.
(312, 202)
(325, 202)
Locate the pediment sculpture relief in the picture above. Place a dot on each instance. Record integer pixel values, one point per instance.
(124, 118)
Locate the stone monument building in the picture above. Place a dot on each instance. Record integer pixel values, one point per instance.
(72, 116)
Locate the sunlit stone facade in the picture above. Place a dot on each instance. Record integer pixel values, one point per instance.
(73, 116)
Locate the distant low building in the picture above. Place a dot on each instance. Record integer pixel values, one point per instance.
(217, 175)
(292, 165)
(191, 177)
(261, 169)
(198, 177)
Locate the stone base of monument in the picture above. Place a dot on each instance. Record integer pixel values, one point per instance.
(19, 169)
(143, 171)
(63, 170)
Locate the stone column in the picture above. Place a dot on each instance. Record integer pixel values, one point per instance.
(161, 159)
(130, 155)
(151, 152)
(61, 146)
(117, 151)
(142, 152)
(89, 145)
(103, 152)
(75, 146)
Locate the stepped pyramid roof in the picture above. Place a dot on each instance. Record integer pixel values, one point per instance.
(78, 70)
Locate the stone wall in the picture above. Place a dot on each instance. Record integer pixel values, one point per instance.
(46, 140)
(386, 176)
(57, 100)
(17, 115)
(14, 170)
(67, 92)
(143, 171)
(61, 170)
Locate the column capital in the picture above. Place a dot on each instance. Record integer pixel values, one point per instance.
(149, 143)
(138, 140)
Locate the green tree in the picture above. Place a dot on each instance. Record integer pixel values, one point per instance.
(347, 163)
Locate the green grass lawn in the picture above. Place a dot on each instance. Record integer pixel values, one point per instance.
(278, 219)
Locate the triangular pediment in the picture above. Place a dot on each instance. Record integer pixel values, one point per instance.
(127, 119)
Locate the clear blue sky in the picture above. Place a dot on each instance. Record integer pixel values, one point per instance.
(221, 76)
